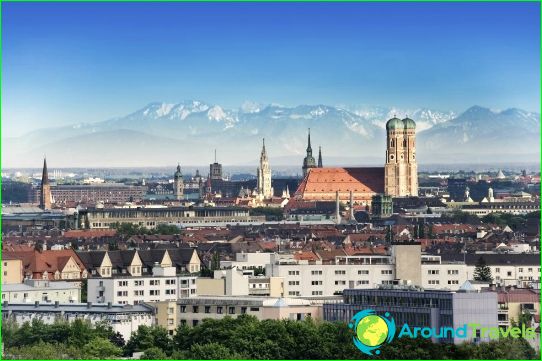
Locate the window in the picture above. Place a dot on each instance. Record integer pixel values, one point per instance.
(170, 292)
(154, 292)
(243, 310)
(316, 283)
(509, 274)
(293, 273)
(139, 283)
(195, 309)
(497, 270)
(183, 308)
(453, 282)
(123, 283)
(520, 269)
(340, 282)
(154, 282)
(207, 309)
(254, 309)
(170, 310)
(363, 272)
(170, 321)
(139, 293)
(315, 273)
(195, 322)
(453, 272)
(363, 282)
(293, 283)
(530, 269)
(293, 293)
(317, 293)
(231, 310)
(340, 272)
(433, 282)
(219, 310)
(387, 272)
(183, 322)
(433, 272)
(122, 293)
(170, 282)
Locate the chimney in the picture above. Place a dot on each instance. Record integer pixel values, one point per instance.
(337, 208)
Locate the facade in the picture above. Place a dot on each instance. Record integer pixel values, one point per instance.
(215, 170)
(12, 270)
(133, 277)
(178, 183)
(418, 308)
(308, 162)
(515, 207)
(381, 206)
(514, 302)
(98, 192)
(320, 163)
(265, 190)
(42, 291)
(122, 319)
(96, 218)
(192, 311)
(251, 260)
(235, 282)
(45, 189)
(401, 178)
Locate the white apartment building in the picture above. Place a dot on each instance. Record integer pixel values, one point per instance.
(163, 285)
(123, 319)
(42, 291)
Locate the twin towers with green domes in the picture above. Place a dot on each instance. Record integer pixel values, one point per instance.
(401, 169)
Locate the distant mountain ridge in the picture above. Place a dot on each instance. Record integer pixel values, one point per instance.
(189, 131)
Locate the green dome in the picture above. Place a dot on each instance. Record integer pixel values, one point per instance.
(178, 173)
(394, 123)
(409, 123)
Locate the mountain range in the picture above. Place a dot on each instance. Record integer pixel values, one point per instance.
(164, 134)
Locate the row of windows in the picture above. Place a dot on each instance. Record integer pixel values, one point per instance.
(219, 309)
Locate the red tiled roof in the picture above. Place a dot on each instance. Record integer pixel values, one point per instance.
(361, 181)
(36, 262)
(305, 256)
(90, 233)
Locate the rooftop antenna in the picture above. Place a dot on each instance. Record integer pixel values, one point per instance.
(215, 155)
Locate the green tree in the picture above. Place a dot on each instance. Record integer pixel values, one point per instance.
(154, 353)
(211, 351)
(100, 348)
(482, 272)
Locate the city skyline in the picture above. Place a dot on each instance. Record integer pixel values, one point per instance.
(86, 63)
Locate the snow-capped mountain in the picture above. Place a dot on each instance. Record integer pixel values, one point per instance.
(189, 131)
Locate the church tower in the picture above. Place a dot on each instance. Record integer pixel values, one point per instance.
(178, 183)
(401, 170)
(264, 175)
(45, 191)
(309, 161)
(320, 165)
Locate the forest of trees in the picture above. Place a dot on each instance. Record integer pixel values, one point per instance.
(242, 338)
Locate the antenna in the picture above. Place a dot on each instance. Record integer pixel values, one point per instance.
(215, 155)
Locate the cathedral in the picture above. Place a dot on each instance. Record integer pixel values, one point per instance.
(398, 177)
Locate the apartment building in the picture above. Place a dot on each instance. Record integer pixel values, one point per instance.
(42, 291)
(123, 319)
(132, 277)
(12, 270)
(192, 311)
(247, 261)
(236, 282)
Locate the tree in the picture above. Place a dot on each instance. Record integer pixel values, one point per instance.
(482, 272)
(100, 348)
(211, 351)
(154, 353)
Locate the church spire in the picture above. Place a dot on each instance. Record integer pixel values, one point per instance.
(309, 148)
(320, 157)
(45, 173)
(45, 191)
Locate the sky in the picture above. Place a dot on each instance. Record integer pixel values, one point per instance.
(84, 62)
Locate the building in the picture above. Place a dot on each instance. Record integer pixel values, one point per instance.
(133, 277)
(42, 291)
(381, 206)
(418, 308)
(236, 282)
(49, 264)
(515, 302)
(178, 183)
(401, 168)
(514, 207)
(250, 261)
(97, 193)
(265, 190)
(192, 311)
(12, 270)
(215, 170)
(45, 190)
(308, 162)
(124, 319)
(320, 163)
(457, 188)
(94, 218)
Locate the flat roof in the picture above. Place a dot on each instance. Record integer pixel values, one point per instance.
(76, 307)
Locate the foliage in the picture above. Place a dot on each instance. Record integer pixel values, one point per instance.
(271, 214)
(515, 222)
(482, 272)
(127, 230)
(241, 338)
(461, 217)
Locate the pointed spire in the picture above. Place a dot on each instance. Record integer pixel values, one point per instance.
(320, 157)
(45, 174)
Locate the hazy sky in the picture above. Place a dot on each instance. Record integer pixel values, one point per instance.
(66, 63)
